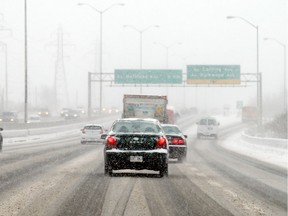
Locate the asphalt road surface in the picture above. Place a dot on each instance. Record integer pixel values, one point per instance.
(62, 177)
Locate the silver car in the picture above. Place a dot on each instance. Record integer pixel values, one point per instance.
(91, 133)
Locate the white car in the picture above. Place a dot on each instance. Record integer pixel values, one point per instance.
(91, 133)
(207, 127)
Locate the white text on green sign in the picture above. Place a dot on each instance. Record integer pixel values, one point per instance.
(145, 76)
(213, 74)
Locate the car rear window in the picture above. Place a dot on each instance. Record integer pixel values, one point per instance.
(92, 127)
(211, 122)
(208, 122)
(171, 129)
(136, 127)
(203, 122)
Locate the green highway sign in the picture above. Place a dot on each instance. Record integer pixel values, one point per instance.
(145, 76)
(213, 74)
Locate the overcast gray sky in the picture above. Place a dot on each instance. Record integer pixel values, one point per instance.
(206, 37)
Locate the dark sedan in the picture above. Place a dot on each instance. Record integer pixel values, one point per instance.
(137, 144)
(177, 141)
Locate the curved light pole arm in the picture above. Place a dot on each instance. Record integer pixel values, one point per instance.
(113, 5)
(151, 26)
(133, 27)
(100, 11)
(245, 20)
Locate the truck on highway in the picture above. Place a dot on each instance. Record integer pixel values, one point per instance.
(249, 114)
(145, 106)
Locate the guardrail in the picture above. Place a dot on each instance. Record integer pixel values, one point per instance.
(264, 141)
(56, 127)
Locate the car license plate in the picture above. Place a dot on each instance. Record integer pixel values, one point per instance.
(136, 159)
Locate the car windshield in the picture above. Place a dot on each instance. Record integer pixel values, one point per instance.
(136, 127)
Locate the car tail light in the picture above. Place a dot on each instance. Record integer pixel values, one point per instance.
(161, 143)
(177, 141)
(111, 142)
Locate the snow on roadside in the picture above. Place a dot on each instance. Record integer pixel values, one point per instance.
(37, 138)
(272, 155)
(269, 154)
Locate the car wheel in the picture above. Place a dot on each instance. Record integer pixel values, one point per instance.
(107, 170)
(164, 171)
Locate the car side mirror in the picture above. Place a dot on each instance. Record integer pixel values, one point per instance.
(103, 136)
(185, 136)
(1, 129)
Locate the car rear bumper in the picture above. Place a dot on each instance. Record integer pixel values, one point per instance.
(177, 151)
(151, 160)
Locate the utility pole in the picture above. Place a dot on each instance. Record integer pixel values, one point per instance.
(4, 45)
(60, 83)
(26, 65)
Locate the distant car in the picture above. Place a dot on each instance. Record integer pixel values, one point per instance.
(81, 111)
(43, 112)
(9, 117)
(63, 111)
(1, 139)
(207, 127)
(113, 110)
(91, 133)
(177, 141)
(71, 114)
(34, 119)
(137, 144)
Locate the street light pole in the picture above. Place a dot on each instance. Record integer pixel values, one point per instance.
(285, 72)
(259, 75)
(100, 46)
(167, 47)
(140, 31)
(26, 64)
(4, 45)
